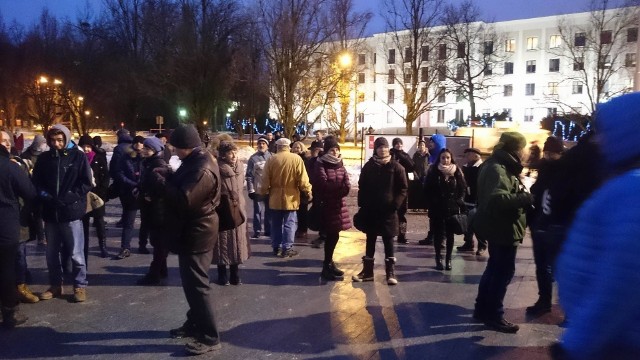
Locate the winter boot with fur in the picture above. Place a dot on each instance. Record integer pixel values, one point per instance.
(390, 270)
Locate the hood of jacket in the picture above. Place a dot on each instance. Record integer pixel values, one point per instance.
(440, 142)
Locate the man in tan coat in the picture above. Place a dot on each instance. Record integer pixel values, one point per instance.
(285, 179)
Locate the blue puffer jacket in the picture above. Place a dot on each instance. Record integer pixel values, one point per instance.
(598, 271)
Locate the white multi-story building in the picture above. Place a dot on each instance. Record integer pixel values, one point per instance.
(537, 73)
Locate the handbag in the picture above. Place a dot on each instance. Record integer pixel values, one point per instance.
(315, 216)
(459, 223)
(93, 202)
(360, 220)
(229, 214)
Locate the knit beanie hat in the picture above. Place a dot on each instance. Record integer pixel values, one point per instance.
(263, 138)
(554, 145)
(226, 147)
(380, 142)
(330, 142)
(125, 139)
(97, 141)
(511, 141)
(138, 139)
(38, 141)
(154, 144)
(396, 141)
(185, 137)
(85, 140)
(616, 123)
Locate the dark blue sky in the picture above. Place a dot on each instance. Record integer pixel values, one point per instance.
(28, 11)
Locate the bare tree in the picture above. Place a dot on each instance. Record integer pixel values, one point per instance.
(347, 42)
(472, 52)
(199, 68)
(412, 33)
(298, 70)
(599, 50)
(43, 102)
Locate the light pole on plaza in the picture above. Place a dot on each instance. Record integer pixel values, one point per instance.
(345, 61)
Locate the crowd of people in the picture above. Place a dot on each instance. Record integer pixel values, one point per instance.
(51, 195)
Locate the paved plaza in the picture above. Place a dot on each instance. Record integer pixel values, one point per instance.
(284, 311)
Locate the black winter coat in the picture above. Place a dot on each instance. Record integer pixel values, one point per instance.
(128, 177)
(65, 177)
(192, 194)
(403, 159)
(382, 190)
(152, 203)
(100, 174)
(14, 184)
(444, 196)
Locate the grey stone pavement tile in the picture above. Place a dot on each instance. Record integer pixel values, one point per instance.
(283, 311)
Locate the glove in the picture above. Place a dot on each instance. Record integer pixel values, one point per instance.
(252, 195)
(135, 192)
(309, 197)
(525, 199)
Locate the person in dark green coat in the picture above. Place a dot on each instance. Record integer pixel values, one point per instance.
(501, 219)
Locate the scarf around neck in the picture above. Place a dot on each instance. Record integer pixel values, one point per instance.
(381, 160)
(330, 159)
(90, 156)
(447, 170)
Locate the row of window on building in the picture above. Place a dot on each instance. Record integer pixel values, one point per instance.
(555, 41)
(530, 68)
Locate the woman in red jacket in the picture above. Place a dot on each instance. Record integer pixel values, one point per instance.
(331, 181)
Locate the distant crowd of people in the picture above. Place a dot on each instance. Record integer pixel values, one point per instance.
(50, 191)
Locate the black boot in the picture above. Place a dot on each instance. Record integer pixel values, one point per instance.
(234, 276)
(428, 240)
(222, 275)
(447, 261)
(539, 308)
(103, 248)
(439, 265)
(336, 271)
(11, 317)
(367, 271)
(328, 274)
(390, 270)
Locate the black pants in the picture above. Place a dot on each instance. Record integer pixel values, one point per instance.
(98, 223)
(194, 273)
(8, 294)
(442, 235)
(160, 252)
(371, 245)
(303, 221)
(545, 247)
(330, 246)
(496, 277)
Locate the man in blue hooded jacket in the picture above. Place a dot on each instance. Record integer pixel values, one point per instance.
(62, 178)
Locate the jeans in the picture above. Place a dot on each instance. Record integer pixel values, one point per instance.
(283, 228)
(128, 219)
(194, 273)
(21, 263)
(496, 277)
(68, 237)
(261, 216)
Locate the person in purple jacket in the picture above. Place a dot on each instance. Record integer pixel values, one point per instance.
(332, 186)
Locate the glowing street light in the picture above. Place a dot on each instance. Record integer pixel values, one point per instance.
(87, 112)
(182, 113)
(345, 60)
(43, 80)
